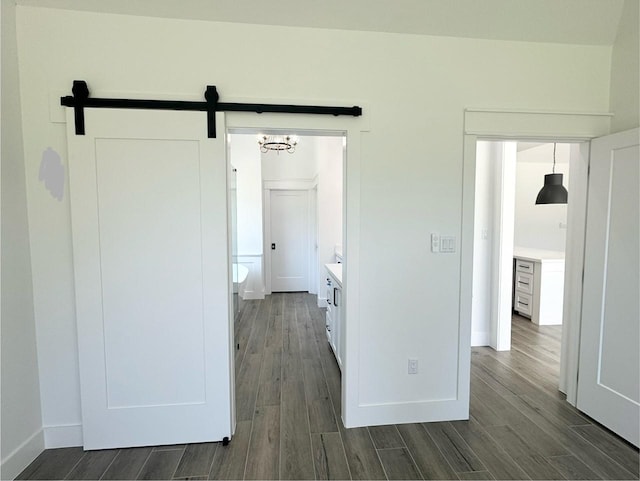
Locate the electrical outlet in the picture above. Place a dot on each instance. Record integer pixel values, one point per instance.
(435, 242)
(413, 366)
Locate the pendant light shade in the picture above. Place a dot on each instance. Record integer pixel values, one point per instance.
(552, 192)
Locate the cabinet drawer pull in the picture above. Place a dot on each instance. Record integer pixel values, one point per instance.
(335, 297)
(523, 303)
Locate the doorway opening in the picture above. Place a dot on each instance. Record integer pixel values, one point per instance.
(289, 210)
(288, 216)
(519, 255)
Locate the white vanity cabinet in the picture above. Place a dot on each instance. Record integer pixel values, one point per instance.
(538, 285)
(334, 325)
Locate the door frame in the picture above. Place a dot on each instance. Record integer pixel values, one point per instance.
(314, 287)
(353, 129)
(285, 185)
(540, 126)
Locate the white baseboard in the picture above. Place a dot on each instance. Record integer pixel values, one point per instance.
(480, 339)
(252, 295)
(22, 456)
(408, 412)
(65, 436)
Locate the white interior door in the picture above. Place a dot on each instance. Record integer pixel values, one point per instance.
(609, 368)
(289, 225)
(149, 226)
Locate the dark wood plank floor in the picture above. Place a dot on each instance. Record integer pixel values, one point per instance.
(288, 410)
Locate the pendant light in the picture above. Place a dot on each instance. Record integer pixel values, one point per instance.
(552, 192)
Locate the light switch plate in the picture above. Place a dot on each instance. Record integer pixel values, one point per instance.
(413, 366)
(435, 242)
(447, 244)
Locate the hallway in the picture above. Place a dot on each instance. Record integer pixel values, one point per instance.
(288, 412)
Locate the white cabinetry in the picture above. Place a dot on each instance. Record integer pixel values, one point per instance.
(334, 325)
(539, 285)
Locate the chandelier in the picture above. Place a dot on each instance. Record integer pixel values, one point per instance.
(278, 143)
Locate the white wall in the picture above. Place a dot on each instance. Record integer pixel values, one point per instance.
(330, 199)
(414, 90)
(493, 243)
(539, 226)
(22, 437)
(245, 157)
(625, 70)
(482, 245)
(301, 165)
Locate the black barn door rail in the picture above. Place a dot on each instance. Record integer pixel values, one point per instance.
(81, 99)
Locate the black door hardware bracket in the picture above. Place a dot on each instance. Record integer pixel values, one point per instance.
(81, 99)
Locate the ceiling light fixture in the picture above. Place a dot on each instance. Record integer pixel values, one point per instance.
(552, 192)
(278, 143)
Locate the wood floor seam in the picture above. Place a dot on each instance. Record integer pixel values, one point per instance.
(143, 465)
(578, 453)
(344, 450)
(605, 454)
(66, 476)
(378, 455)
(315, 474)
(413, 460)
(244, 475)
(110, 464)
(281, 407)
(438, 448)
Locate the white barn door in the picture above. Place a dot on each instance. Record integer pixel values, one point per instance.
(149, 226)
(609, 370)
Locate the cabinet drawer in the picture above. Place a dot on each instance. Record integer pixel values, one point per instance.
(524, 282)
(523, 303)
(524, 266)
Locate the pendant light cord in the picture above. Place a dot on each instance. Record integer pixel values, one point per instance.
(554, 158)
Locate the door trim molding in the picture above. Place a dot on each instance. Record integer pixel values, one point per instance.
(497, 124)
(535, 125)
(290, 184)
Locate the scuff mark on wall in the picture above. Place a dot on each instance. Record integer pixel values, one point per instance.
(52, 173)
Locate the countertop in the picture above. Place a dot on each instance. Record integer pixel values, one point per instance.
(537, 255)
(336, 272)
